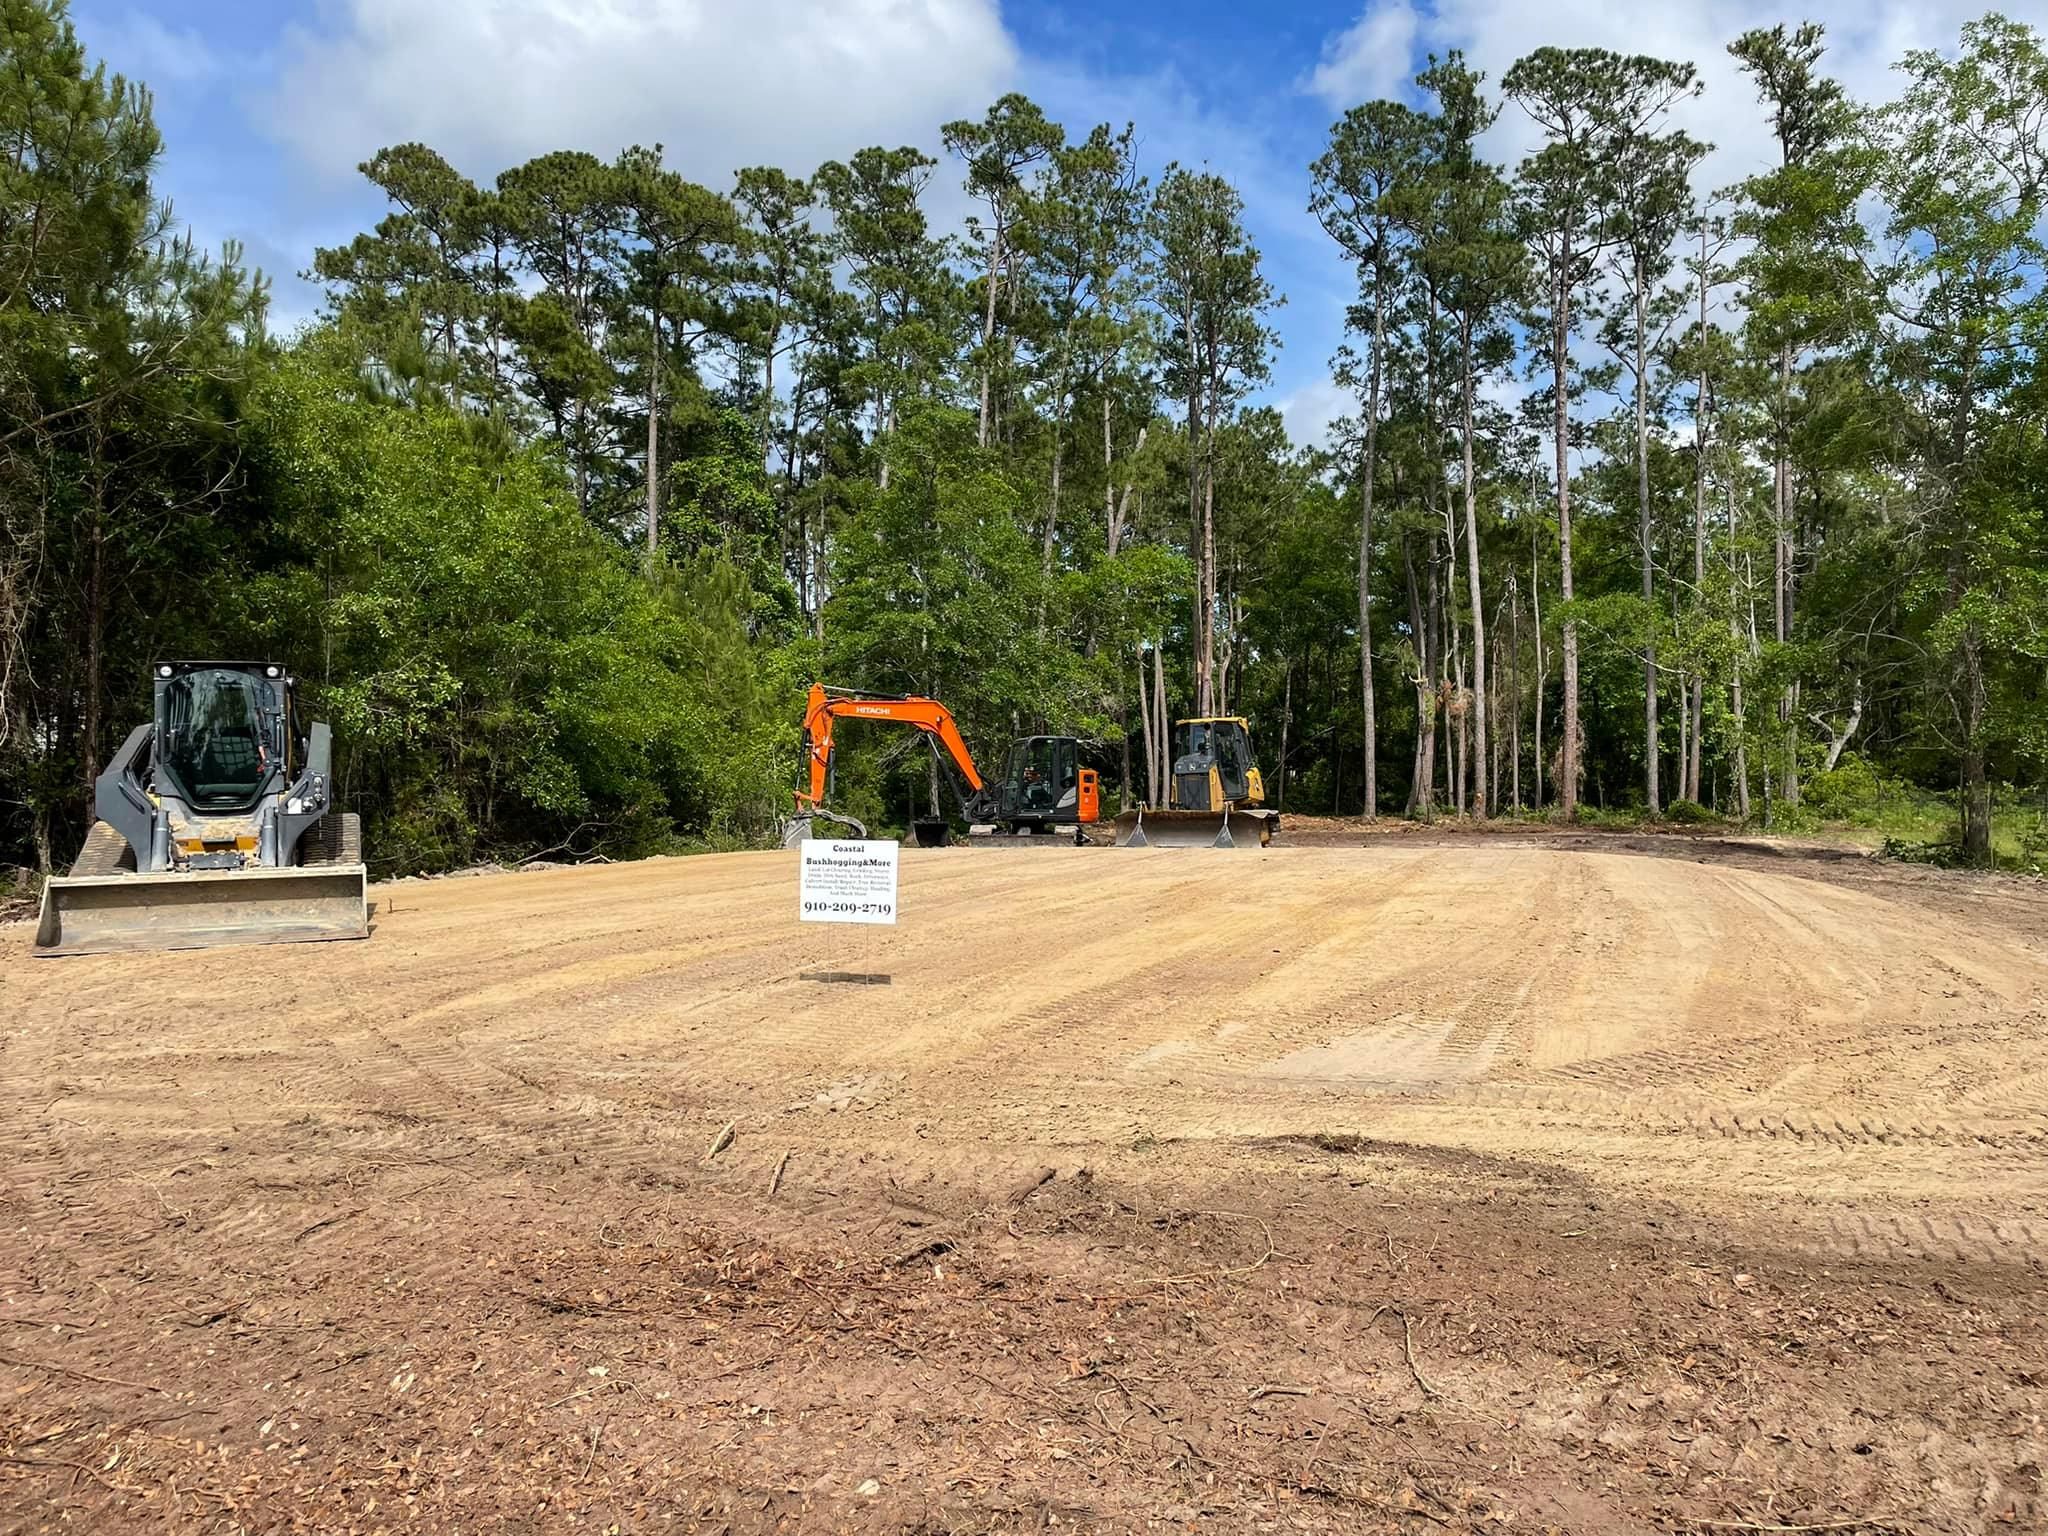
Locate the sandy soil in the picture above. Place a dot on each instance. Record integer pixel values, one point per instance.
(1392, 1183)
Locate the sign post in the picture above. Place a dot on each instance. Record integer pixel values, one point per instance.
(847, 880)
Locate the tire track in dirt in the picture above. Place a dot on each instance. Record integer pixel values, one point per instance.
(1642, 1020)
(1296, 1023)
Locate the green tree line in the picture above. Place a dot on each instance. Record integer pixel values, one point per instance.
(1654, 495)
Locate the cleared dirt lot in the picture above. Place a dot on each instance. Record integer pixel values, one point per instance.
(1395, 1183)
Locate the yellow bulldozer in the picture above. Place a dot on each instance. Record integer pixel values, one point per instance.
(1215, 795)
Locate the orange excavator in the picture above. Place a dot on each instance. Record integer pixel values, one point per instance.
(1044, 787)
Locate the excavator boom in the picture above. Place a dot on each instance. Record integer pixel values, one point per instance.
(929, 716)
(824, 706)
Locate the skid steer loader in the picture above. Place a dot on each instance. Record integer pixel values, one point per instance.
(1215, 797)
(215, 825)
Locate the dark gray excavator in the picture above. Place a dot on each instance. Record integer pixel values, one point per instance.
(215, 824)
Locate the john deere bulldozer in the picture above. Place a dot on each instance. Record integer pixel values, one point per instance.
(215, 825)
(1215, 797)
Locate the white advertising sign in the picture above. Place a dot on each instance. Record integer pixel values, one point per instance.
(847, 880)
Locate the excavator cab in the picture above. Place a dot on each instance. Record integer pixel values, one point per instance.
(1044, 786)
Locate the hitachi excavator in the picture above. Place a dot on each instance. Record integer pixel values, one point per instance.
(1044, 787)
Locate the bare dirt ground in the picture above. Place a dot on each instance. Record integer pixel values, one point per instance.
(1415, 1183)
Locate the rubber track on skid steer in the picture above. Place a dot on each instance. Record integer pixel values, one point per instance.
(336, 838)
(106, 852)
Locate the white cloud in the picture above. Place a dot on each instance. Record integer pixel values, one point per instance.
(1309, 410)
(1864, 39)
(143, 48)
(1372, 58)
(721, 85)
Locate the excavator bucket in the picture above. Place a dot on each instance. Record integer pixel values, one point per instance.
(1195, 829)
(110, 914)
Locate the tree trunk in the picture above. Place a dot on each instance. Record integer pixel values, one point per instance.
(768, 369)
(1490, 764)
(1536, 623)
(1052, 514)
(1560, 337)
(1788, 706)
(1151, 741)
(1515, 664)
(1160, 724)
(1205, 684)
(95, 631)
(1838, 740)
(582, 462)
(1735, 682)
(1123, 713)
(1976, 787)
(1195, 527)
(1432, 684)
(1119, 506)
(1225, 652)
(1286, 720)
(1684, 746)
(1108, 479)
(1468, 773)
(1368, 476)
(654, 436)
(1479, 785)
(1417, 784)
(988, 323)
(1699, 721)
(1652, 750)
(1205, 689)
(1701, 428)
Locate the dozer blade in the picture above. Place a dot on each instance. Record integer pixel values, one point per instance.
(109, 914)
(1195, 829)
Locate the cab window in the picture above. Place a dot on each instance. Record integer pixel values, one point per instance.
(214, 742)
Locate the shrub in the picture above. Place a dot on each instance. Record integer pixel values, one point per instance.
(1850, 791)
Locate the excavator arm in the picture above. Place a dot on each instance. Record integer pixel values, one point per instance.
(928, 716)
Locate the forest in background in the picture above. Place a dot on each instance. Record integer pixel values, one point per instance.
(1656, 499)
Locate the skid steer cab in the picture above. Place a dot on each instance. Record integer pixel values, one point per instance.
(215, 824)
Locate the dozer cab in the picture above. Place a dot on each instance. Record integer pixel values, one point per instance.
(215, 825)
(1215, 797)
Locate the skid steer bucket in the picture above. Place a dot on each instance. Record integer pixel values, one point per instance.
(1195, 829)
(108, 914)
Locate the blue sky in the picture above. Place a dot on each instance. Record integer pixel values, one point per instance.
(267, 105)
